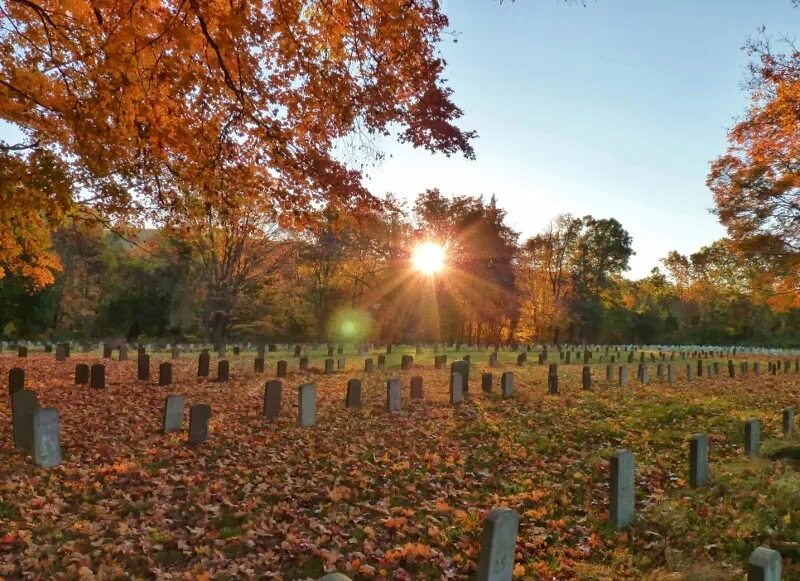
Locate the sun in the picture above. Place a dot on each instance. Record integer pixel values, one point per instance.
(428, 257)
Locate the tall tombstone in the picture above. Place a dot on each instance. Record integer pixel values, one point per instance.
(462, 368)
(307, 405)
(621, 510)
(46, 432)
(486, 382)
(764, 565)
(671, 373)
(757, 368)
(643, 374)
(731, 369)
(393, 387)
(699, 368)
(81, 374)
(456, 388)
(272, 399)
(328, 366)
(353, 398)
(199, 418)
(282, 369)
(172, 420)
(498, 546)
(689, 372)
(223, 371)
(752, 437)
(698, 460)
(23, 404)
(165, 374)
(587, 378)
(507, 384)
(368, 365)
(788, 422)
(16, 380)
(623, 375)
(258, 365)
(552, 379)
(416, 387)
(143, 367)
(609, 373)
(97, 376)
(203, 364)
(406, 362)
(123, 352)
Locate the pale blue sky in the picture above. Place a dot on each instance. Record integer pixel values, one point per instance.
(613, 109)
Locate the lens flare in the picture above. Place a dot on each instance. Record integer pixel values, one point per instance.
(428, 257)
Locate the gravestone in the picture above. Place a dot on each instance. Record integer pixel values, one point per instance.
(698, 460)
(143, 367)
(521, 359)
(16, 380)
(486, 382)
(258, 365)
(81, 374)
(165, 374)
(621, 512)
(237, 351)
(699, 368)
(456, 388)
(609, 373)
(671, 375)
(381, 361)
(416, 387)
(282, 369)
(623, 375)
(406, 361)
(22, 351)
(328, 366)
(123, 352)
(757, 368)
(223, 371)
(462, 368)
(340, 363)
(393, 395)
(493, 359)
(97, 376)
(303, 365)
(689, 372)
(643, 374)
(176, 353)
(353, 398)
(507, 384)
(660, 371)
(368, 365)
(752, 437)
(46, 431)
(61, 353)
(307, 405)
(173, 413)
(199, 418)
(498, 545)
(106, 351)
(330, 350)
(764, 565)
(731, 369)
(23, 404)
(587, 378)
(203, 364)
(788, 422)
(272, 399)
(552, 379)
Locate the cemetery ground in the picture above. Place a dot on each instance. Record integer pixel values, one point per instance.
(401, 495)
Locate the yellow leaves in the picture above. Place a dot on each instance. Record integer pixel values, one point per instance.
(519, 571)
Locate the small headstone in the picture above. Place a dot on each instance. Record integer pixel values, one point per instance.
(521, 359)
(671, 374)
(282, 369)
(272, 399)
(143, 367)
(498, 546)
(123, 352)
(393, 387)
(61, 353)
(461, 367)
(623, 375)
(307, 405)
(622, 489)
(46, 431)
(368, 365)
(165, 374)
(752, 437)
(106, 351)
(456, 392)
(81, 374)
(353, 398)
(16, 380)
(203, 364)
(587, 378)
(199, 418)
(507, 384)
(406, 361)
(416, 387)
(698, 460)
(97, 376)
(258, 365)
(23, 404)
(173, 413)
(788, 422)
(328, 366)
(764, 565)
(303, 365)
(223, 370)
(381, 361)
(486, 382)
(237, 351)
(22, 351)
(552, 379)
(609, 373)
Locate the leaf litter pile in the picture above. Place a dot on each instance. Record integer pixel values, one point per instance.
(401, 496)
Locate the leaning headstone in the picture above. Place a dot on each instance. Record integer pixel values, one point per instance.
(622, 489)
(307, 405)
(752, 437)
(393, 395)
(764, 565)
(282, 369)
(203, 364)
(698, 460)
(498, 546)
(143, 367)
(353, 398)
(456, 388)
(788, 422)
(507, 384)
(81, 374)
(23, 404)
(97, 376)
(16, 380)
(272, 399)
(223, 371)
(486, 382)
(173, 413)
(587, 377)
(46, 431)
(416, 387)
(199, 418)
(165, 374)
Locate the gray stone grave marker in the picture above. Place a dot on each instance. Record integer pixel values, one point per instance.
(486, 382)
(353, 398)
(307, 405)
(698, 460)
(507, 384)
(587, 377)
(81, 374)
(97, 376)
(456, 391)
(23, 403)
(173, 413)
(393, 387)
(788, 422)
(764, 565)
(258, 365)
(199, 418)
(752, 437)
(621, 512)
(282, 369)
(272, 399)
(46, 431)
(498, 545)
(223, 371)
(416, 387)
(203, 364)
(165, 374)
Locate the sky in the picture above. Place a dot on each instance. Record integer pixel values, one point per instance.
(615, 109)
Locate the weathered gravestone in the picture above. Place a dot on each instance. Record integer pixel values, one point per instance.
(22, 351)
(643, 374)
(462, 368)
(587, 377)
(698, 461)
(328, 366)
(258, 365)
(46, 432)
(123, 352)
(552, 379)
(456, 388)
(522, 358)
(623, 375)
(106, 351)
(368, 365)
(203, 364)
(303, 365)
(498, 546)
(97, 376)
(237, 351)
(757, 368)
(199, 418)
(381, 361)
(393, 387)
(486, 382)
(621, 511)
(788, 422)
(272, 399)
(507, 384)
(307, 405)
(282, 369)
(81, 374)
(406, 362)
(752, 437)
(23, 404)
(143, 367)
(16, 380)
(493, 359)
(353, 398)
(416, 387)
(173, 413)
(764, 565)
(671, 374)
(165, 374)
(609, 373)
(61, 353)
(223, 371)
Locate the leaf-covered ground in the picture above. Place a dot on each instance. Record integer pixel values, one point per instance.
(399, 496)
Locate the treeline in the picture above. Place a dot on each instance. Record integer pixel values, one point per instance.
(238, 275)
